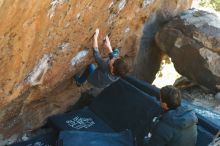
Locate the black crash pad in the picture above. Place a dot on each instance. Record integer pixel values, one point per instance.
(47, 139)
(85, 138)
(143, 86)
(80, 120)
(204, 137)
(123, 106)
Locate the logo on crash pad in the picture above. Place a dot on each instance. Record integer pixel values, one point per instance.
(79, 122)
(38, 144)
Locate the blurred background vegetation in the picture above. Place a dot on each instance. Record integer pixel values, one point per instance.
(214, 4)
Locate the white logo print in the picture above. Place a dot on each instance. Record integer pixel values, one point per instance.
(79, 123)
(38, 144)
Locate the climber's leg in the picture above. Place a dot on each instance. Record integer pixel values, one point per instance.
(81, 79)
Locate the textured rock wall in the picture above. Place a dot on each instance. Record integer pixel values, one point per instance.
(44, 42)
(193, 43)
(149, 56)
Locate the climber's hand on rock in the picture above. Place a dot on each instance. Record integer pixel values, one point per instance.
(96, 33)
(95, 40)
(108, 44)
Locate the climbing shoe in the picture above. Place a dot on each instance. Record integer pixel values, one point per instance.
(76, 78)
(116, 52)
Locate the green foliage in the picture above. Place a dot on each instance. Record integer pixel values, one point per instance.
(215, 4)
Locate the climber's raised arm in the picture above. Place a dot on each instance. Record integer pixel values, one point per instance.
(108, 44)
(95, 39)
(96, 53)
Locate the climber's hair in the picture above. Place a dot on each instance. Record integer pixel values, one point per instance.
(120, 67)
(171, 96)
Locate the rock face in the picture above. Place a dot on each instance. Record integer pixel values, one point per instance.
(192, 40)
(149, 56)
(44, 42)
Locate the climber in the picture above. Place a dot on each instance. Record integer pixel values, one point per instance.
(176, 125)
(108, 71)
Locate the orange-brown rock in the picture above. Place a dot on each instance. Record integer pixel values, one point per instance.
(44, 42)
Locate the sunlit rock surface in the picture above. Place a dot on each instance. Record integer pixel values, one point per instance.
(44, 42)
(192, 40)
